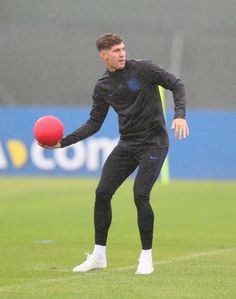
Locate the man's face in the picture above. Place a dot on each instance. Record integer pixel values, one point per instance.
(114, 58)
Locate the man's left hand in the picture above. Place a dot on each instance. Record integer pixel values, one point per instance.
(181, 128)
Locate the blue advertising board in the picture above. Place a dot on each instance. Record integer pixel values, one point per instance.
(209, 152)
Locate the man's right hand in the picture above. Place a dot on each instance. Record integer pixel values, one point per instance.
(58, 145)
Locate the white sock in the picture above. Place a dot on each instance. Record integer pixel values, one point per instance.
(146, 255)
(99, 252)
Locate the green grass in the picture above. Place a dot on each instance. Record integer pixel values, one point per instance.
(194, 242)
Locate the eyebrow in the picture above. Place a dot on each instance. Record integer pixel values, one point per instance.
(119, 49)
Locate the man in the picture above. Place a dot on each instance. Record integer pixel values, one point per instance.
(130, 88)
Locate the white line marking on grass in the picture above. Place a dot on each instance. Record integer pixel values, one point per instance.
(35, 282)
(44, 241)
(74, 276)
(46, 267)
(184, 258)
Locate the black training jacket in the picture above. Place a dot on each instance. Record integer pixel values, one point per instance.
(132, 92)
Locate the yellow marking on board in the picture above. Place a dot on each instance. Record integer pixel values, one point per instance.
(18, 152)
(165, 172)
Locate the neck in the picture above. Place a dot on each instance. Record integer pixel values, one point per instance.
(111, 69)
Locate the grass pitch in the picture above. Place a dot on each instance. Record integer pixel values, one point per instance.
(46, 225)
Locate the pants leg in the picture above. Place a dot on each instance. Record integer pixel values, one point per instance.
(118, 166)
(150, 164)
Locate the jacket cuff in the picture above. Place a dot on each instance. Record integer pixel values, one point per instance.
(63, 142)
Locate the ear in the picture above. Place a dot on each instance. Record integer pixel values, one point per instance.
(103, 54)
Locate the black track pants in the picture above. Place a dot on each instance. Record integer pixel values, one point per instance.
(119, 165)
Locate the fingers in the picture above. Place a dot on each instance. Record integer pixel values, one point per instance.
(186, 131)
(181, 128)
(180, 132)
(43, 146)
(40, 144)
(58, 145)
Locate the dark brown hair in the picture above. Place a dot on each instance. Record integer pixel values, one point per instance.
(108, 40)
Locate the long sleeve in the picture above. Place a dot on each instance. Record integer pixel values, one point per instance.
(160, 76)
(97, 115)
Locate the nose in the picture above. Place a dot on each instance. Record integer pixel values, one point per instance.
(122, 53)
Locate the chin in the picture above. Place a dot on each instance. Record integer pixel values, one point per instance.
(120, 67)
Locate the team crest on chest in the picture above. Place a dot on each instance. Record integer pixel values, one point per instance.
(133, 85)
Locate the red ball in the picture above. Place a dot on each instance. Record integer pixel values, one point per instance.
(48, 130)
